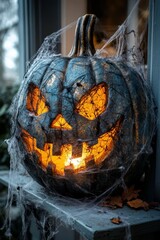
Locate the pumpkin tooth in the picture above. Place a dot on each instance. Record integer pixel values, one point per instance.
(51, 168)
(56, 151)
(77, 150)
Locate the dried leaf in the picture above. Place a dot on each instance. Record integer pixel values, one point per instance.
(138, 203)
(113, 202)
(129, 197)
(116, 220)
(117, 201)
(130, 193)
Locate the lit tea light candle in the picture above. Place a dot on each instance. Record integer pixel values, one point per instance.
(76, 163)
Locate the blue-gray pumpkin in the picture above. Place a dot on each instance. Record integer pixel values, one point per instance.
(86, 122)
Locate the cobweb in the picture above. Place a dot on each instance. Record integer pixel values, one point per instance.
(128, 43)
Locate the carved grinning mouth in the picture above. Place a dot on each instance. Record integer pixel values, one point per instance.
(95, 154)
(91, 105)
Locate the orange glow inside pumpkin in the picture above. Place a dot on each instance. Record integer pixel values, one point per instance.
(60, 123)
(36, 102)
(97, 152)
(92, 104)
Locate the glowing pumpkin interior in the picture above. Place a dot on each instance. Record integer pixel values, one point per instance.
(90, 106)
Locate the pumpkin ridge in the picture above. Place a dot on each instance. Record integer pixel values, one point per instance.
(134, 100)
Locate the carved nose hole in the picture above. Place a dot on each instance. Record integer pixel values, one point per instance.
(60, 123)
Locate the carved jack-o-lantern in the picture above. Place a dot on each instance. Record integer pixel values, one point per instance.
(84, 122)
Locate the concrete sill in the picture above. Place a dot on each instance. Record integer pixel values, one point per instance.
(90, 221)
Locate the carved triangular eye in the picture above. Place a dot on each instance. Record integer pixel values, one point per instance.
(60, 123)
(92, 104)
(36, 102)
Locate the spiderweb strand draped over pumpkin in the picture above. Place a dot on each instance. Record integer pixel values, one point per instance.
(83, 117)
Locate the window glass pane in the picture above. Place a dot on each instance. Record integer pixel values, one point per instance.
(9, 69)
(9, 41)
(113, 13)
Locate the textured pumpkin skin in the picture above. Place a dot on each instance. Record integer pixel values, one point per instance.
(127, 101)
(63, 81)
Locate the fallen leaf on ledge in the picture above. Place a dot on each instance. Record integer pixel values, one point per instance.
(116, 220)
(130, 196)
(113, 202)
(130, 193)
(138, 203)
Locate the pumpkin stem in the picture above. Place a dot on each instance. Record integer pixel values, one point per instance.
(83, 42)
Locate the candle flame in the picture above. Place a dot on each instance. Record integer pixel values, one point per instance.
(75, 162)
